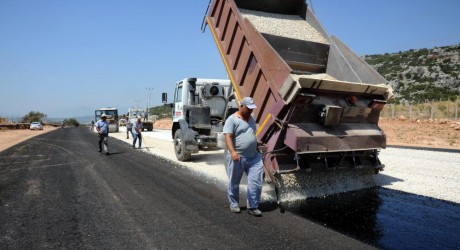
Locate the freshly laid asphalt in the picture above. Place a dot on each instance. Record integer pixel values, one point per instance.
(57, 191)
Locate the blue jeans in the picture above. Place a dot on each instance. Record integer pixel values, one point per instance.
(104, 138)
(129, 131)
(135, 136)
(254, 169)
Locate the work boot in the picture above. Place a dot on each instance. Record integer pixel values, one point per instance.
(254, 211)
(235, 209)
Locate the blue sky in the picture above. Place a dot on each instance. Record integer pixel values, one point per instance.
(67, 58)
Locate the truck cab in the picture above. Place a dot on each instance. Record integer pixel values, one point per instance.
(199, 109)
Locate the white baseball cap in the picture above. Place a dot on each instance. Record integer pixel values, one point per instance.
(248, 102)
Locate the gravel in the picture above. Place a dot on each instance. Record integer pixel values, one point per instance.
(323, 184)
(423, 172)
(290, 26)
(322, 76)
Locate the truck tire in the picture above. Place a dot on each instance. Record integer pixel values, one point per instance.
(179, 146)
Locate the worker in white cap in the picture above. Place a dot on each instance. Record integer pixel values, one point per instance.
(137, 132)
(243, 157)
(102, 128)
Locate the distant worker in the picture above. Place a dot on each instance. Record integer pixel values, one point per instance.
(92, 125)
(129, 126)
(102, 128)
(243, 157)
(137, 132)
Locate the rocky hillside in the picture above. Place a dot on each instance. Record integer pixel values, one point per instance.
(422, 74)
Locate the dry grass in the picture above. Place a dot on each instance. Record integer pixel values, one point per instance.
(421, 133)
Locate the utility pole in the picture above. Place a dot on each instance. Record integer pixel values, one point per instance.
(149, 89)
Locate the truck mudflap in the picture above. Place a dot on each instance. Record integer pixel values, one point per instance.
(187, 138)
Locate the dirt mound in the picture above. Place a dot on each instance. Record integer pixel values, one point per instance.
(422, 133)
(165, 123)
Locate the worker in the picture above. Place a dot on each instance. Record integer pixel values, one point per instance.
(92, 125)
(243, 157)
(136, 131)
(129, 126)
(102, 128)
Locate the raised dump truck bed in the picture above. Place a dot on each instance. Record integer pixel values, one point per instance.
(318, 102)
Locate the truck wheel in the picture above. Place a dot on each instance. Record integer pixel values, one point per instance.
(179, 146)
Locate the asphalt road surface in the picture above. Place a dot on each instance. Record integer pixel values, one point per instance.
(57, 191)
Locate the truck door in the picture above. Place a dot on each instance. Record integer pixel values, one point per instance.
(178, 102)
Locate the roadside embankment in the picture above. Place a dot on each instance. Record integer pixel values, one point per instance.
(12, 137)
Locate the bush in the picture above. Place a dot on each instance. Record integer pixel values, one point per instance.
(33, 116)
(161, 111)
(71, 122)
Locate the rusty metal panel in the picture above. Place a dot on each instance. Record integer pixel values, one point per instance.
(242, 65)
(224, 21)
(254, 66)
(219, 10)
(251, 74)
(314, 138)
(230, 29)
(236, 45)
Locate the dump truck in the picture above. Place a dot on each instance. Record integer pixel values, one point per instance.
(140, 113)
(199, 109)
(318, 103)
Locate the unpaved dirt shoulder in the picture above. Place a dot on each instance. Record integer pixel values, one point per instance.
(422, 133)
(9, 138)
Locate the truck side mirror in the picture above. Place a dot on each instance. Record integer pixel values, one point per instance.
(164, 97)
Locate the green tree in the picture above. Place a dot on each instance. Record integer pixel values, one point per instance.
(161, 111)
(71, 122)
(33, 116)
